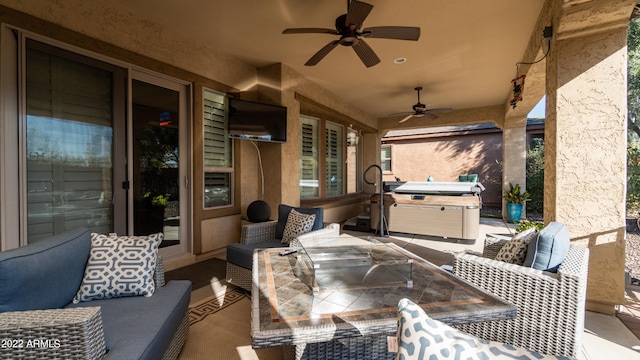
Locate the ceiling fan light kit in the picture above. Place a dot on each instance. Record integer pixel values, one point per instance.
(348, 27)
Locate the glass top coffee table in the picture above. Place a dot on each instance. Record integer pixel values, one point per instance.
(350, 262)
(292, 310)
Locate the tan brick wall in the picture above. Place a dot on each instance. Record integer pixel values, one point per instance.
(444, 158)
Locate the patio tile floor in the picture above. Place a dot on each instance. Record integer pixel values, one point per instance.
(629, 312)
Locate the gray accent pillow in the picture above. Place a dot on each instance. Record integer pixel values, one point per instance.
(283, 215)
(297, 223)
(549, 249)
(119, 266)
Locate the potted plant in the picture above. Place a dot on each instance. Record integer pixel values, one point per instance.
(515, 198)
(528, 224)
(149, 213)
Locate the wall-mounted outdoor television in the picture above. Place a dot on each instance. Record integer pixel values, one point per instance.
(257, 121)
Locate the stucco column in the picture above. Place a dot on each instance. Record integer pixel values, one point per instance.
(585, 152)
(514, 157)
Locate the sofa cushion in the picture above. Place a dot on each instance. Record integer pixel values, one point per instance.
(119, 266)
(283, 215)
(142, 327)
(297, 223)
(548, 250)
(242, 254)
(420, 337)
(515, 250)
(45, 274)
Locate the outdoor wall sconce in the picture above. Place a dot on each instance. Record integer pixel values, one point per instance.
(518, 82)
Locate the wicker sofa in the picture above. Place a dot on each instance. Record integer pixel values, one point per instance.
(37, 285)
(268, 235)
(551, 306)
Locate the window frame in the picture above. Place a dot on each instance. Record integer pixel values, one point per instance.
(389, 159)
(339, 159)
(314, 157)
(321, 158)
(208, 169)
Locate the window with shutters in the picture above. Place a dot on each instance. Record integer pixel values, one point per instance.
(309, 178)
(385, 158)
(218, 162)
(334, 157)
(330, 159)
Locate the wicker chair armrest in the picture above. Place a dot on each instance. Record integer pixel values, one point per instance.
(258, 232)
(329, 231)
(494, 275)
(158, 275)
(576, 263)
(73, 333)
(511, 281)
(492, 246)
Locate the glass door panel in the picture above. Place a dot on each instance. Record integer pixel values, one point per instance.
(69, 136)
(156, 188)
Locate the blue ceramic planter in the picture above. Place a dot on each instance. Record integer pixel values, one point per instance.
(514, 212)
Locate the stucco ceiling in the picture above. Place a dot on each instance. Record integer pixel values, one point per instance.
(465, 57)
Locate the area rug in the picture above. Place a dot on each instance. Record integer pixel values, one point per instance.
(220, 328)
(212, 305)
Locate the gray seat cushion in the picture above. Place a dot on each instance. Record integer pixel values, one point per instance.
(139, 327)
(45, 274)
(242, 254)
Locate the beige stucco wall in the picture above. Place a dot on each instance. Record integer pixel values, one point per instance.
(585, 169)
(113, 24)
(514, 155)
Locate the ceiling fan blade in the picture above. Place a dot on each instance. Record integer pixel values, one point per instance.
(430, 115)
(322, 53)
(366, 54)
(310, 31)
(442, 110)
(405, 119)
(358, 11)
(392, 32)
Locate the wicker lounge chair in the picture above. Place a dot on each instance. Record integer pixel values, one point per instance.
(551, 306)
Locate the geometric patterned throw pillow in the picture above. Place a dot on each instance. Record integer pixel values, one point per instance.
(297, 223)
(421, 337)
(119, 266)
(515, 250)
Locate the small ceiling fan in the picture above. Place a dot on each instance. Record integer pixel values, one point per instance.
(348, 27)
(420, 110)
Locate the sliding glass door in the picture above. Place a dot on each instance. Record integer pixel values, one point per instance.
(159, 166)
(73, 105)
(100, 146)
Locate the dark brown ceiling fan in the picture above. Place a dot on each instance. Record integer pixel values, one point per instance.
(420, 110)
(348, 27)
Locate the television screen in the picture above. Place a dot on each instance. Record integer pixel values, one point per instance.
(256, 121)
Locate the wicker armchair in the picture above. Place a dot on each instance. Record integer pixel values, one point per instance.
(551, 306)
(256, 233)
